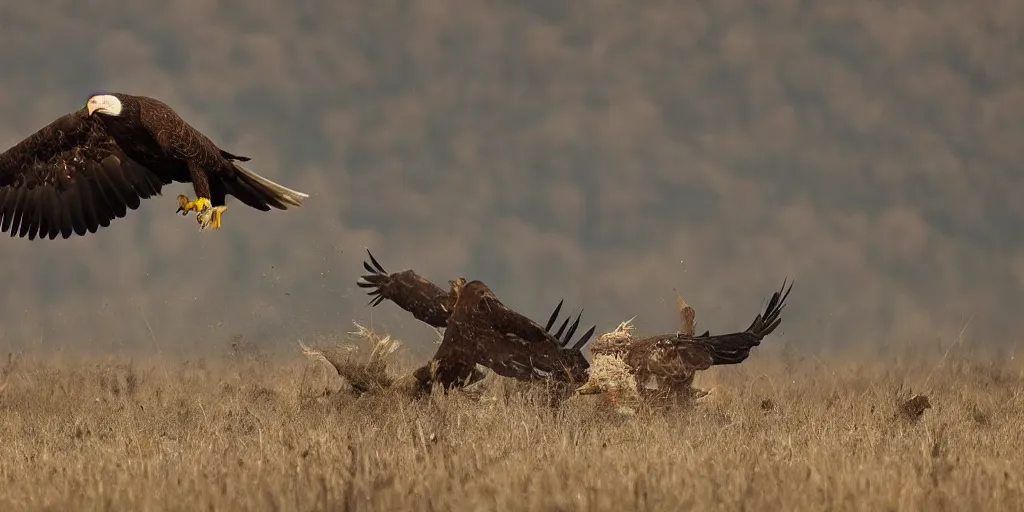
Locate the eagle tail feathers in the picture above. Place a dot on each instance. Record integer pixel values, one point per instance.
(281, 196)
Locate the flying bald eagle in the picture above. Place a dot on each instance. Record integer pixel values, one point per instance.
(90, 166)
(480, 329)
(622, 363)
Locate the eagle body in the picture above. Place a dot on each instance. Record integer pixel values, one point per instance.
(486, 332)
(672, 360)
(90, 166)
(152, 134)
(480, 329)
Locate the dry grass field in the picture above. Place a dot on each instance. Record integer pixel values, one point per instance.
(251, 432)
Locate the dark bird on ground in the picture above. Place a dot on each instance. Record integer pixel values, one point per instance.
(88, 167)
(672, 360)
(480, 329)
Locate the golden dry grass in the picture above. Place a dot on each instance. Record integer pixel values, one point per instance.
(254, 433)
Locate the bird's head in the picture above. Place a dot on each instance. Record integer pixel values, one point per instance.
(107, 104)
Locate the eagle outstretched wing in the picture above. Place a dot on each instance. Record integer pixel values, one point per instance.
(672, 354)
(426, 301)
(530, 352)
(70, 177)
(505, 320)
(479, 329)
(432, 305)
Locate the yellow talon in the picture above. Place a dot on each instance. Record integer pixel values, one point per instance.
(183, 205)
(210, 217)
(199, 205)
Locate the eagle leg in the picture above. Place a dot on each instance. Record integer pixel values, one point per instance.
(210, 217)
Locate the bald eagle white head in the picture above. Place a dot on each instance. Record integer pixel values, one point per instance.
(104, 104)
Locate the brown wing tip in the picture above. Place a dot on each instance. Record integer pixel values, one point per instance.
(554, 316)
(580, 343)
(766, 322)
(376, 267)
(376, 280)
(563, 337)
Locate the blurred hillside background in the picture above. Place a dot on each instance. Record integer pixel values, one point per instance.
(601, 151)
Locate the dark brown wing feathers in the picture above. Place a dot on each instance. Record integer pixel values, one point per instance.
(509, 343)
(426, 301)
(480, 329)
(184, 141)
(512, 345)
(564, 341)
(507, 321)
(69, 177)
(735, 348)
(702, 352)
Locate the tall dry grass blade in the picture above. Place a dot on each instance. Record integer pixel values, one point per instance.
(363, 374)
(958, 341)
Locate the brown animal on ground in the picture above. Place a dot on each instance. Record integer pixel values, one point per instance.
(625, 364)
(480, 329)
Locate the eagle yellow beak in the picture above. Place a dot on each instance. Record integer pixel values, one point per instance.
(590, 388)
